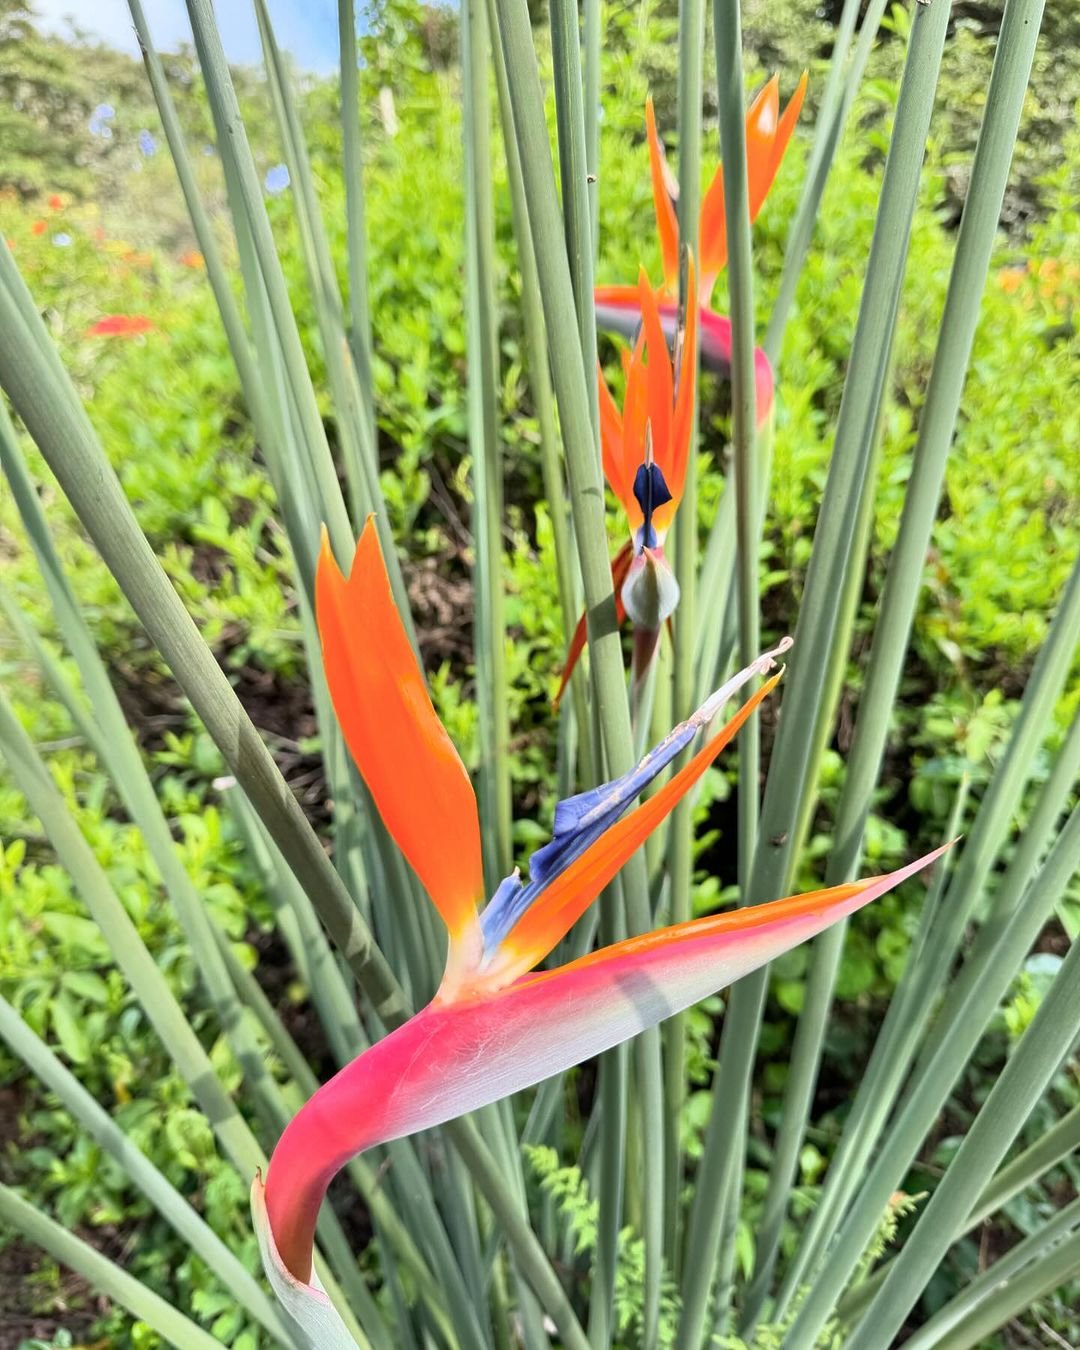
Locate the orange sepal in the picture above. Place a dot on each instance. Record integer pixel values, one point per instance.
(788, 121)
(619, 475)
(659, 379)
(570, 893)
(620, 565)
(402, 750)
(712, 228)
(683, 417)
(667, 224)
(767, 137)
(761, 122)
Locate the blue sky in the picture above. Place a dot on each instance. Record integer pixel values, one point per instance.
(306, 28)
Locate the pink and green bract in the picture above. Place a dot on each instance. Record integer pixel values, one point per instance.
(496, 1025)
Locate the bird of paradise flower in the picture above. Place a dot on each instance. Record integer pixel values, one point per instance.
(645, 587)
(495, 1025)
(768, 133)
(645, 448)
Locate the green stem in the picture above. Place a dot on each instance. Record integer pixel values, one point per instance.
(573, 378)
(352, 164)
(1025, 1170)
(841, 86)
(919, 989)
(904, 579)
(482, 391)
(94, 491)
(732, 1084)
(95, 1121)
(1026, 1075)
(157, 1000)
(681, 833)
(19, 1216)
(922, 1105)
(578, 215)
(809, 1040)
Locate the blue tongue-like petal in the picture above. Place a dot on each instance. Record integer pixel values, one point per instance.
(581, 820)
(651, 491)
(584, 817)
(502, 910)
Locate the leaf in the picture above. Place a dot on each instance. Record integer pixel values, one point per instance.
(74, 931)
(86, 984)
(68, 1029)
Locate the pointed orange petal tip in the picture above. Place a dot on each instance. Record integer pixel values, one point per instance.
(662, 188)
(788, 121)
(573, 655)
(759, 932)
(402, 750)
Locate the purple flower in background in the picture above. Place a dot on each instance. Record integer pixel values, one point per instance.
(99, 121)
(62, 240)
(147, 144)
(277, 179)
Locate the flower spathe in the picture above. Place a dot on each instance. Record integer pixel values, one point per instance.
(493, 1027)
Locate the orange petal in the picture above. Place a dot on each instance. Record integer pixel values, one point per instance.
(683, 420)
(761, 123)
(713, 229)
(574, 890)
(788, 122)
(781, 919)
(612, 447)
(659, 379)
(402, 750)
(666, 222)
(634, 421)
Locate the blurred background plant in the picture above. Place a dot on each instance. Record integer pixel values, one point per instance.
(92, 214)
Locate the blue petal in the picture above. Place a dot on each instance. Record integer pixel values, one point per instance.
(499, 909)
(582, 819)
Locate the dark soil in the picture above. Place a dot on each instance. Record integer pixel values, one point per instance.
(34, 1308)
(32, 1305)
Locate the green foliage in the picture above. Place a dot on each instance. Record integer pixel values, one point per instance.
(48, 92)
(168, 409)
(578, 1211)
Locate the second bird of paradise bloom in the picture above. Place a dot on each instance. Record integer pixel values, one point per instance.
(496, 1024)
(768, 132)
(645, 448)
(645, 587)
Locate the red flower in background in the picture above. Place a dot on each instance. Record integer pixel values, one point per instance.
(56, 201)
(38, 227)
(120, 325)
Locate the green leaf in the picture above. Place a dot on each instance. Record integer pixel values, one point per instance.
(68, 1028)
